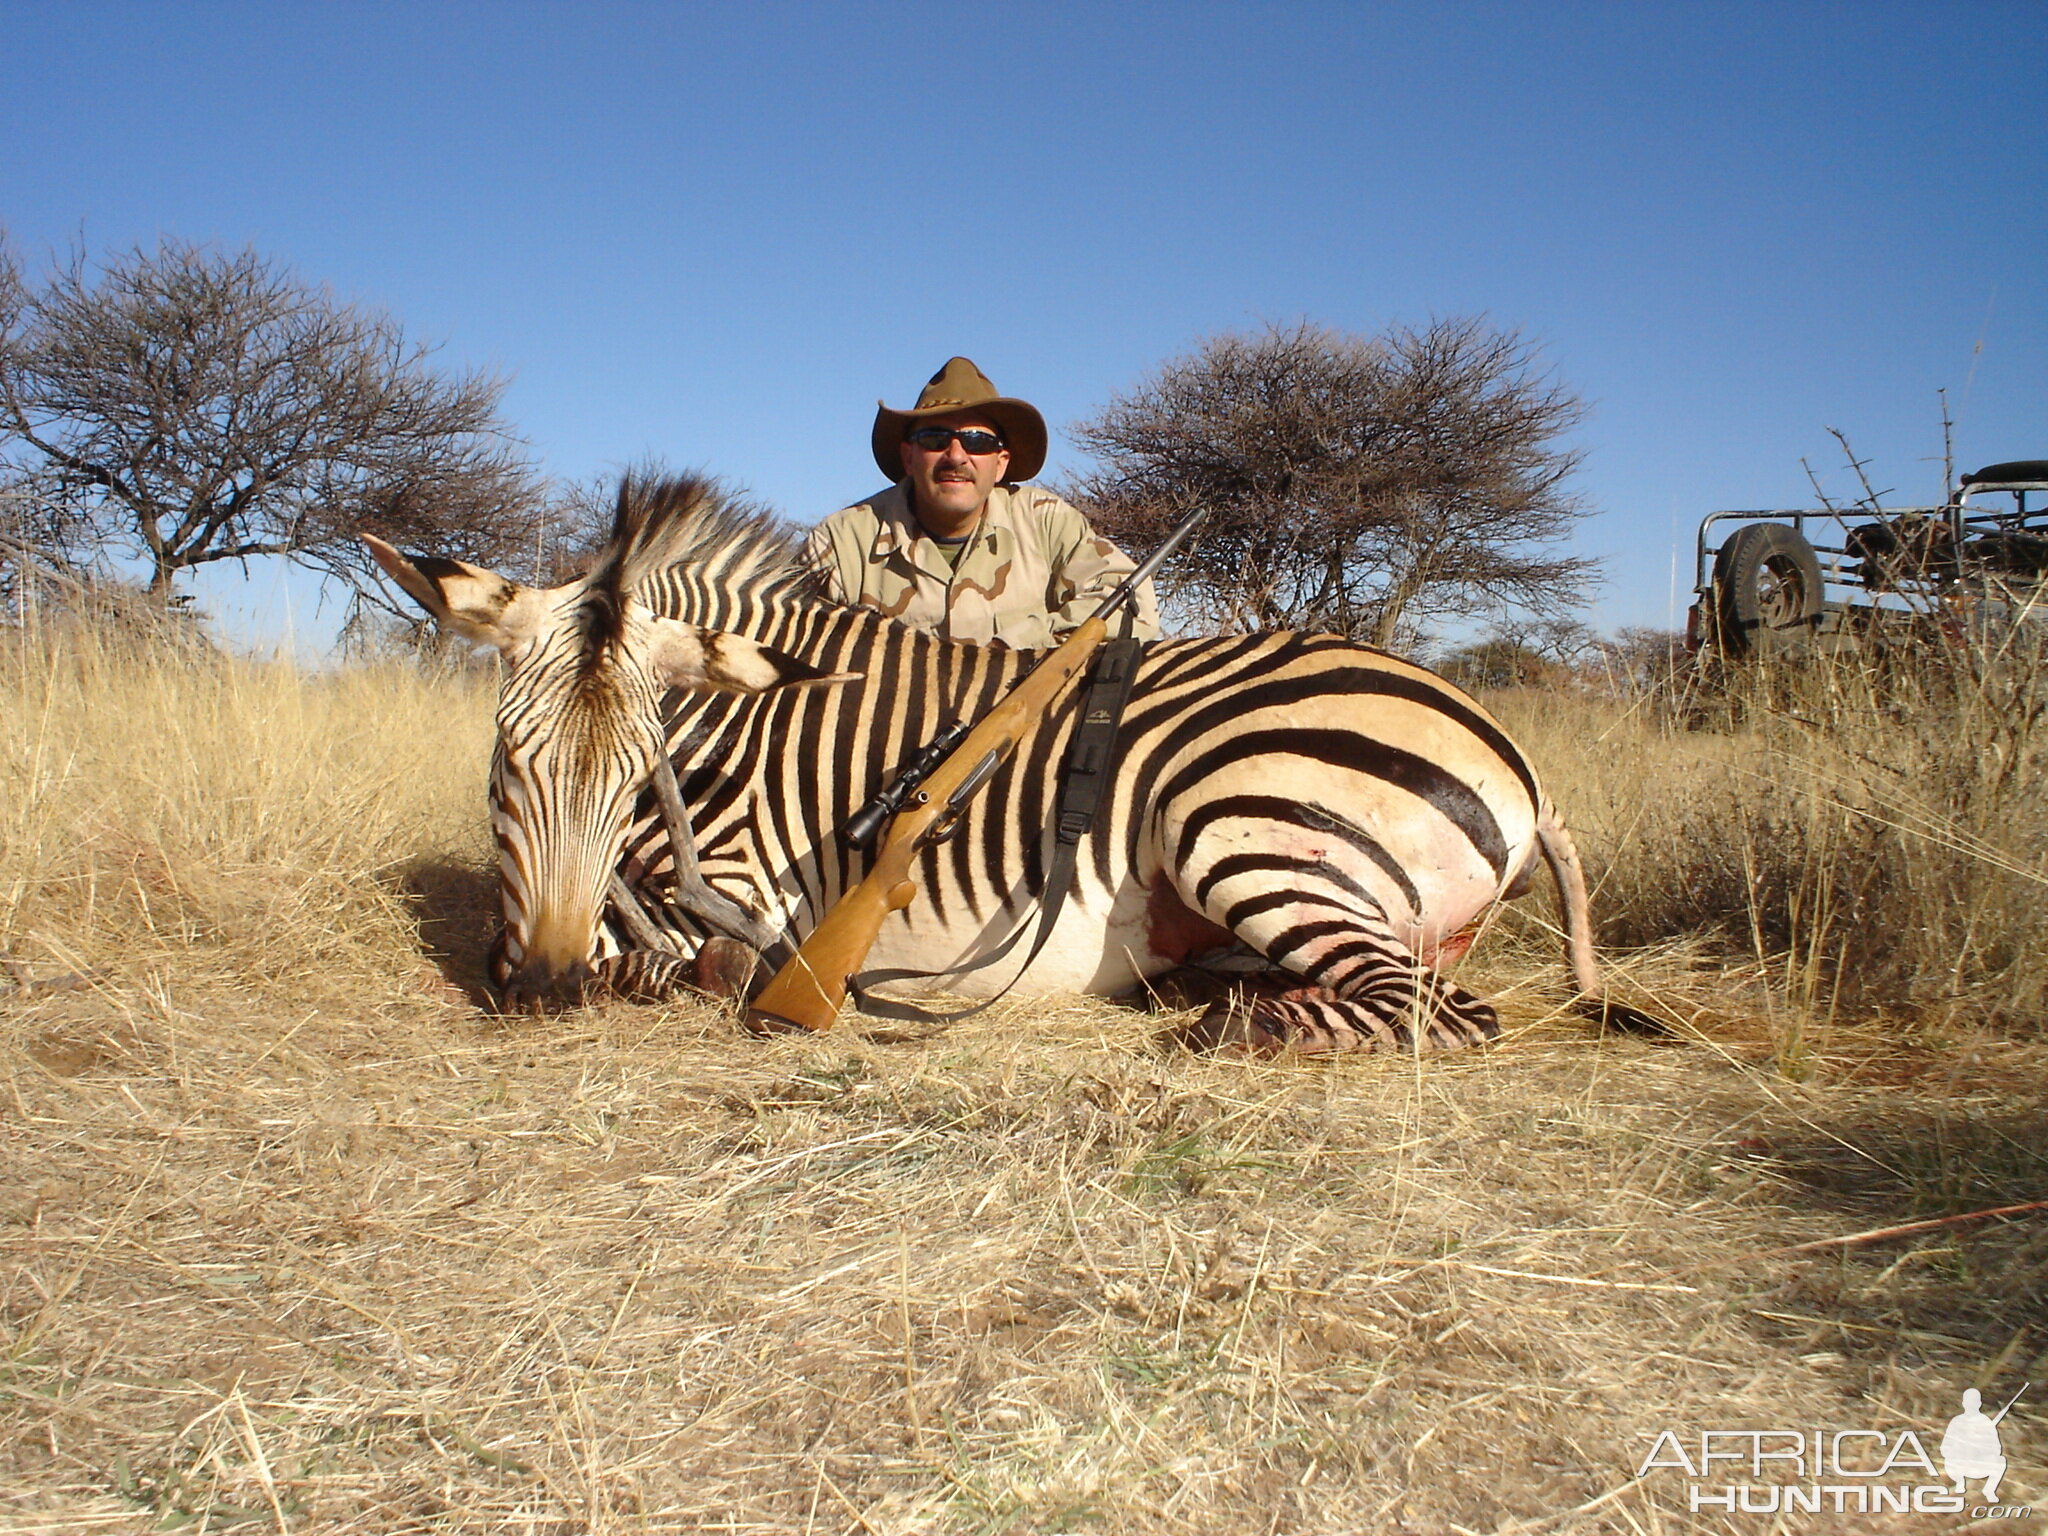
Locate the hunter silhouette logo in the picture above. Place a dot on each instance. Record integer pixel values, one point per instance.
(1970, 1447)
(1842, 1471)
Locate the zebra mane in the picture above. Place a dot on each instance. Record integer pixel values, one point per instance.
(689, 522)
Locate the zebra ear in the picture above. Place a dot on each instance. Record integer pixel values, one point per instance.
(711, 660)
(477, 604)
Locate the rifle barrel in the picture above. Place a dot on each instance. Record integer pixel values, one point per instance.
(1175, 537)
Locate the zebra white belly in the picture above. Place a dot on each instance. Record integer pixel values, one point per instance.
(1087, 951)
(1104, 945)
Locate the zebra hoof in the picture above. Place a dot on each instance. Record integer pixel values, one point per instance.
(1619, 1018)
(724, 968)
(1234, 1025)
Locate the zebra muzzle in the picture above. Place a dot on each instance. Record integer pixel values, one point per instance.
(539, 986)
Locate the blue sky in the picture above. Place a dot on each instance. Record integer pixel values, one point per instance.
(719, 232)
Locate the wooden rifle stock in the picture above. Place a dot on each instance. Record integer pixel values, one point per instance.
(808, 991)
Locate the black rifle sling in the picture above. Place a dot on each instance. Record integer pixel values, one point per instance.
(1091, 758)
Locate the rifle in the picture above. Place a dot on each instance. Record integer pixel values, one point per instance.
(807, 992)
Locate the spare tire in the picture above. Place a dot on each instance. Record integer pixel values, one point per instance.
(1768, 585)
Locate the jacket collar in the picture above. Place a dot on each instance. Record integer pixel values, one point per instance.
(900, 533)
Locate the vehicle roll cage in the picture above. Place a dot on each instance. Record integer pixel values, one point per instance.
(1950, 550)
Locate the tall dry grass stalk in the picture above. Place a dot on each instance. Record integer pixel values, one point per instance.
(1868, 828)
(159, 799)
(296, 1237)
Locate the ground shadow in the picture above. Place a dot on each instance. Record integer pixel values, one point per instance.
(1967, 1291)
(456, 909)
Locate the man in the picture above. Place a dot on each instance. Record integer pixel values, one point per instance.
(955, 544)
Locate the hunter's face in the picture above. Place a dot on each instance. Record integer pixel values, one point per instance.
(949, 484)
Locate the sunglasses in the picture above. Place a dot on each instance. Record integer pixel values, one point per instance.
(973, 440)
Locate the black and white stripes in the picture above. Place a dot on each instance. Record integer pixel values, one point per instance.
(1343, 812)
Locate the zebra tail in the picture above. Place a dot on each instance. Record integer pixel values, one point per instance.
(1562, 855)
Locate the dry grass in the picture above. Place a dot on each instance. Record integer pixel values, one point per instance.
(295, 1237)
(1871, 829)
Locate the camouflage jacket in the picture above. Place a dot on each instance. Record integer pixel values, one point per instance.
(1032, 570)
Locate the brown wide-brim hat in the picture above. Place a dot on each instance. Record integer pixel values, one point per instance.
(960, 386)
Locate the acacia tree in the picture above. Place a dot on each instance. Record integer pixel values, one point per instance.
(1522, 651)
(1367, 486)
(43, 544)
(192, 405)
(1637, 661)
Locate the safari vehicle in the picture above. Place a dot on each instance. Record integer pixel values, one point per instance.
(1783, 583)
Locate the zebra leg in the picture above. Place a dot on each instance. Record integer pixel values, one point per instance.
(1266, 1017)
(722, 968)
(645, 976)
(1366, 989)
(645, 970)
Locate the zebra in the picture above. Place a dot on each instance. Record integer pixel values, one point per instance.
(1343, 812)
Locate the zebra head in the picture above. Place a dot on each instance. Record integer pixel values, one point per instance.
(580, 723)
